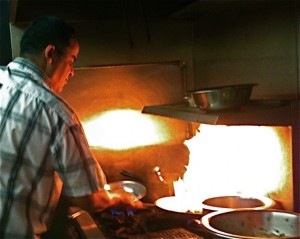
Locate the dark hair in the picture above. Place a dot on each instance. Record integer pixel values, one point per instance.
(47, 30)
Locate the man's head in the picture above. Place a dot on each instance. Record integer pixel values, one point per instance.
(53, 45)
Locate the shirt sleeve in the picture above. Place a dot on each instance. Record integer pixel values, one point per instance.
(76, 165)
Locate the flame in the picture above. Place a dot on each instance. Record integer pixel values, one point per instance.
(123, 129)
(228, 160)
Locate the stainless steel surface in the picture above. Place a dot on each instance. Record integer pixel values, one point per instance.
(85, 224)
(223, 97)
(138, 189)
(253, 224)
(257, 112)
(232, 202)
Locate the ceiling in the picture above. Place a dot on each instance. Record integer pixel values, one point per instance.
(97, 10)
(94, 10)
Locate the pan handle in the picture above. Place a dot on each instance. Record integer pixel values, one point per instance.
(131, 176)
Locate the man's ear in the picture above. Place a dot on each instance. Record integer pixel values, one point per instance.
(50, 53)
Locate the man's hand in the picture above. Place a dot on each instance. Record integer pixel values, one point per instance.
(122, 199)
(103, 199)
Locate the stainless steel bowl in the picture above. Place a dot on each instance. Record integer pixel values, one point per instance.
(223, 97)
(233, 202)
(253, 224)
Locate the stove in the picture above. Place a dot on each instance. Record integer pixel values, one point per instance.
(149, 222)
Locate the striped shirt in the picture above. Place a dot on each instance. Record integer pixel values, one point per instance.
(43, 152)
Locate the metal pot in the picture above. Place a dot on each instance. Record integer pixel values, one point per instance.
(253, 224)
(223, 97)
(232, 202)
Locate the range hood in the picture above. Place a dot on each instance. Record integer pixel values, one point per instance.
(256, 112)
(91, 10)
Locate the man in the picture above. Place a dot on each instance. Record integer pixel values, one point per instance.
(43, 149)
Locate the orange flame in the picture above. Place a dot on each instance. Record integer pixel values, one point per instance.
(122, 129)
(228, 160)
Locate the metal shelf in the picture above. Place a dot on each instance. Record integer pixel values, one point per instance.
(256, 112)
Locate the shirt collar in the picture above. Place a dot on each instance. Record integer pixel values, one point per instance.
(31, 69)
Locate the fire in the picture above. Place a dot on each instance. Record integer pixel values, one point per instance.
(228, 160)
(123, 129)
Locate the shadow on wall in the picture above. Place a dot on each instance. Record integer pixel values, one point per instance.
(170, 159)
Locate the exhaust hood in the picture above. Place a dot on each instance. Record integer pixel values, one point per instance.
(256, 112)
(90, 10)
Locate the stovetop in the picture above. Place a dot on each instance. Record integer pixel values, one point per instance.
(150, 222)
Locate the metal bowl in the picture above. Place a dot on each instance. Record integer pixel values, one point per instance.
(232, 202)
(223, 97)
(138, 189)
(253, 224)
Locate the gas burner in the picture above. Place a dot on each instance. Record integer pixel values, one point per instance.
(150, 222)
(123, 213)
(124, 223)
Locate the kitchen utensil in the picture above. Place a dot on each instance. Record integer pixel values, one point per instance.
(232, 202)
(174, 204)
(177, 208)
(241, 224)
(138, 189)
(223, 97)
(131, 176)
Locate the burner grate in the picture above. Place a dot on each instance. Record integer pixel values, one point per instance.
(150, 222)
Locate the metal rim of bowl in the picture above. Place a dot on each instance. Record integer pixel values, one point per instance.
(224, 87)
(205, 221)
(267, 203)
(222, 98)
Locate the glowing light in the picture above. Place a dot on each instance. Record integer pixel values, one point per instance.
(128, 189)
(232, 160)
(123, 129)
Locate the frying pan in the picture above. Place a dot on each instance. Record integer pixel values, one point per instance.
(220, 203)
(231, 202)
(175, 207)
(138, 189)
